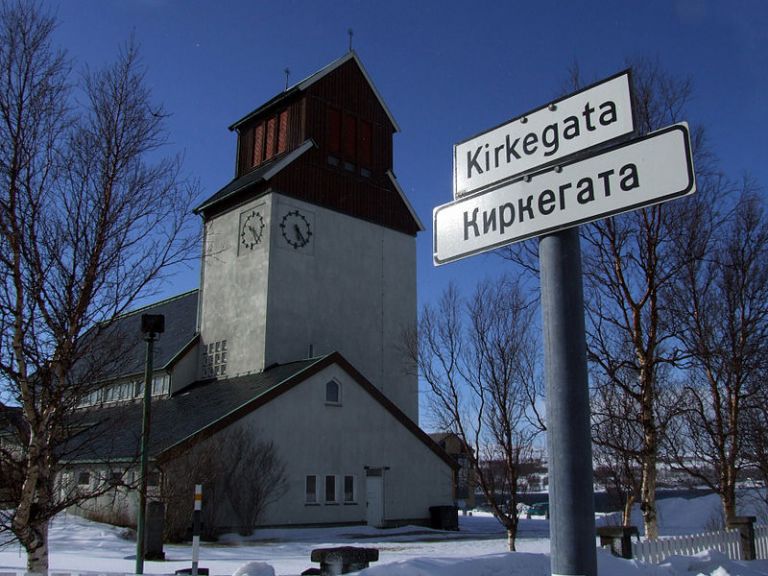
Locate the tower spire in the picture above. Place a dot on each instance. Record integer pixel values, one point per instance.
(350, 33)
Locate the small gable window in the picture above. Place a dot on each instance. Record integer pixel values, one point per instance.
(333, 393)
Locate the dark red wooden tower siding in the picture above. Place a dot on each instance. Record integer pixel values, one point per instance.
(346, 170)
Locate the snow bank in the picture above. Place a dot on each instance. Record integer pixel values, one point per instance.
(255, 569)
(521, 564)
(517, 564)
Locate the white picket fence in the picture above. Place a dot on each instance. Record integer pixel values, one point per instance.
(727, 541)
(761, 542)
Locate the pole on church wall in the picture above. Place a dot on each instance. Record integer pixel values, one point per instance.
(571, 493)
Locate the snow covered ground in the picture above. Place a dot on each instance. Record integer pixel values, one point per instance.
(478, 549)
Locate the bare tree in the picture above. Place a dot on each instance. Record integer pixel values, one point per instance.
(722, 312)
(236, 459)
(617, 446)
(91, 216)
(255, 464)
(479, 360)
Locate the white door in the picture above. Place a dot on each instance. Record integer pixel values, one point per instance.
(374, 499)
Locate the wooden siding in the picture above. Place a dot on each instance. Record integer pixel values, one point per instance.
(284, 129)
(310, 180)
(347, 172)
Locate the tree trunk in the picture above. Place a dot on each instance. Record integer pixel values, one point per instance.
(37, 549)
(511, 535)
(626, 516)
(728, 498)
(648, 498)
(29, 525)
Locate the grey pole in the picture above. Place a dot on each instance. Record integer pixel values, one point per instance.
(571, 495)
(146, 403)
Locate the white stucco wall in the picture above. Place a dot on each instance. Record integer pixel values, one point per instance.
(234, 289)
(185, 370)
(320, 439)
(352, 290)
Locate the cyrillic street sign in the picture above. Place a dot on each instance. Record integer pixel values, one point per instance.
(645, 171)
(592, 116)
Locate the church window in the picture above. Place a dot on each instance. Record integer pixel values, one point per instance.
(333, 392)
(334, 132)
(214, 359)
(258, 145)
(349, 140)
(110, 393)
(268, 138)
(349, 132)
(350, 495)
(271, 137)
(311, 490)
(330, 490)
(160, 385)
(364, 153)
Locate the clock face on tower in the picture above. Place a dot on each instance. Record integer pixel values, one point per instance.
(251, 229)
(296, 229)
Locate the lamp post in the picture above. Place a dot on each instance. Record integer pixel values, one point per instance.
(151, 326)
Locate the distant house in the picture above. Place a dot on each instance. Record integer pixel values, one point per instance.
(308, 282)
(465, 482)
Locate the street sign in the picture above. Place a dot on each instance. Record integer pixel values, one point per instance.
(645, 171)
(595, 115)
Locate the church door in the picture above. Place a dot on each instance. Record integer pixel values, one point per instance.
(374, 497)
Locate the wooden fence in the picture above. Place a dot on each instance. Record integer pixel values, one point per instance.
(727, 541)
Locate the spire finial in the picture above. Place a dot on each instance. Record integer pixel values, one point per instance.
(350, 33)
(287, 75)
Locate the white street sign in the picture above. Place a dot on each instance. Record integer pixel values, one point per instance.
(645, 171)
(595, 115)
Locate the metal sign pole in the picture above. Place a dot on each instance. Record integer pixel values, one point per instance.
(196, 527)
(571, 494)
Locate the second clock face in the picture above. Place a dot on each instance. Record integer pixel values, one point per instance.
(296, 229)
(251, 229)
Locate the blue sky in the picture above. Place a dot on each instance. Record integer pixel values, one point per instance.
(447, 70)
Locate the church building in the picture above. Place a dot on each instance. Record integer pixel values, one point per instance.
(295, 336)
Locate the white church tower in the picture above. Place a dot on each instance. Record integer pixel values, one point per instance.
(310, 249)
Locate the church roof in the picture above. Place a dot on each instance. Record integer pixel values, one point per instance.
(201, 410)
(261, 174)
(113, 433)
(118, 349)
(310, 81)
